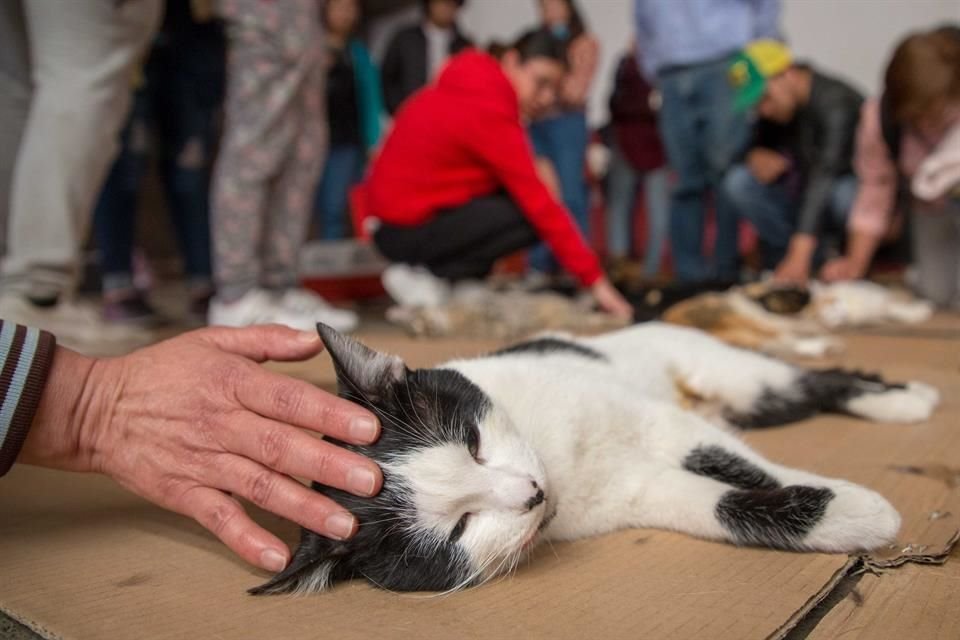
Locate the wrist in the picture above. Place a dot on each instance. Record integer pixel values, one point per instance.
(802, 246)
(62, 434)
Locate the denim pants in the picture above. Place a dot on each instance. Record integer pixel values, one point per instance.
(772, 210)
(702, 134)
(343, 169)
(179, 106)
(622, 186)
(562, 140)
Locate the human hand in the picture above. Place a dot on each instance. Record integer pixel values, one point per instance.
(766, 165)
(610, 300)
(795, 266)
(842, 268)
(183, 422)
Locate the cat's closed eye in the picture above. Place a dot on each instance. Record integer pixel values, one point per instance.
(460, 527)
(473, 443)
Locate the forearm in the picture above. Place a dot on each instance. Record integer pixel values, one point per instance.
(26, 360)
(861, 247)
(59, 437)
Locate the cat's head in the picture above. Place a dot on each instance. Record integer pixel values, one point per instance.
(463, 498)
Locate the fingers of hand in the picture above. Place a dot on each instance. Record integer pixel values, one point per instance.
(225, 518)
(293, 452)
(285, 497)
(299, 403)
(263, 342)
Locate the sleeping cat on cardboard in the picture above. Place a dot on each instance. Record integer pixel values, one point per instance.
(562, 438)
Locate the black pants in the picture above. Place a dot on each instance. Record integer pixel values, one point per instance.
(463, 242)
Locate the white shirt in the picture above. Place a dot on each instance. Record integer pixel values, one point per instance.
(438, 47)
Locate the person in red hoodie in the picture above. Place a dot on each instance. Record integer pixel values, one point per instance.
(456, 186)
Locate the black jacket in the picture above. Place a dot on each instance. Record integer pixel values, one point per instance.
(820, 141)
(405, 64)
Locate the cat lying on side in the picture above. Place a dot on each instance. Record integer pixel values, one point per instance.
(562, 438)
(794, 320)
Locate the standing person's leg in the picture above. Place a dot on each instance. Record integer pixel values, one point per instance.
(656, 192)
(115, 218)
(766, 207)
(259, 132)
(340, 172)
(725, 137)
(291, 199)
(190, 98)
(681, 134)
(82, 55)
(15, 93)
(567, 149)
(936, 254)
(543, 138)
(622, 180)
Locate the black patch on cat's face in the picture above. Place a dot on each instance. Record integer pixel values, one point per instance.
(718, 463)
(814, 391)
(778, 518)
(787, 300)
(549, 346)
(416, 409)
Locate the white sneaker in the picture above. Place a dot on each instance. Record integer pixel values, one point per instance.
(308, 303)
(262, 307)
(71, 322)
(414, 286)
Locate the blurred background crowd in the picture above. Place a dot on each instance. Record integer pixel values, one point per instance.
(280, 159)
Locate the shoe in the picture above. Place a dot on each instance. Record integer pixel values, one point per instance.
(308, 303)
(414, 286)
(258, 307)
(71, 322)
(132, 310)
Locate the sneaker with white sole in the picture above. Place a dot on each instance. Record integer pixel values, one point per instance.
(262, 307)
(305, 302)
(414, 286)
(73, 323)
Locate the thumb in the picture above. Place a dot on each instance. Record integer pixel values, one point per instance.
(263, 342)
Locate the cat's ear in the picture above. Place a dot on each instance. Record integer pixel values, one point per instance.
(360, 370)
(313, 568)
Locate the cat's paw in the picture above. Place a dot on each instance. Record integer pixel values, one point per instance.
(914, 403)
(857, 519)
(816, 346)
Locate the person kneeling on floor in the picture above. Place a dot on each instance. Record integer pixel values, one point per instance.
(456, 186)
(797, 184)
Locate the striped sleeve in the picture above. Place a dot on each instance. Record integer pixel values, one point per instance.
(26, 356)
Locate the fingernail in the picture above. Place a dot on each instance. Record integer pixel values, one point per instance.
(307, 336)
(340, 525)
(361, 481)
(363, 429)
(273, 560)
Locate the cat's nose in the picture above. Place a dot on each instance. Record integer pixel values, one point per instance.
(535, 500)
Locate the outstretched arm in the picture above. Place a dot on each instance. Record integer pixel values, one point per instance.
(186, 421)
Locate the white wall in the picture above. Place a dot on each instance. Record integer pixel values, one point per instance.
(851, 38)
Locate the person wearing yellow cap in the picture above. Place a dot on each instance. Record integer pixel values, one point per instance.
(796, 184)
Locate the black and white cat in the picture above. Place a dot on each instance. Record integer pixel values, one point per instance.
(562, 438)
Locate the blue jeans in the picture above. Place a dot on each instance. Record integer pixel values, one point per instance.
(772, 210)
(178, 104)
(622, 183)
(343, 169)
(702, 134)
(562, 139)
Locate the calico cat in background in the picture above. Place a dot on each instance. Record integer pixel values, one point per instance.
(560, 438)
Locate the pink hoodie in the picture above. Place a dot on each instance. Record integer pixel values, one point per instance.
(877, 195)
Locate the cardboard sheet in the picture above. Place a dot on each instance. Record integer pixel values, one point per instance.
(81, 558)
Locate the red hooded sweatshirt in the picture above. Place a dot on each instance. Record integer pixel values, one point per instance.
(461, 138)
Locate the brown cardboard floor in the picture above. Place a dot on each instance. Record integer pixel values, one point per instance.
(80, 558)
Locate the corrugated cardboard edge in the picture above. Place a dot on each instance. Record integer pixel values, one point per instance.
(38, 629)
(855, 566)
(828, 588)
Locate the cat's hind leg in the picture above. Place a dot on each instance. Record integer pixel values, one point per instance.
(771, 505)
